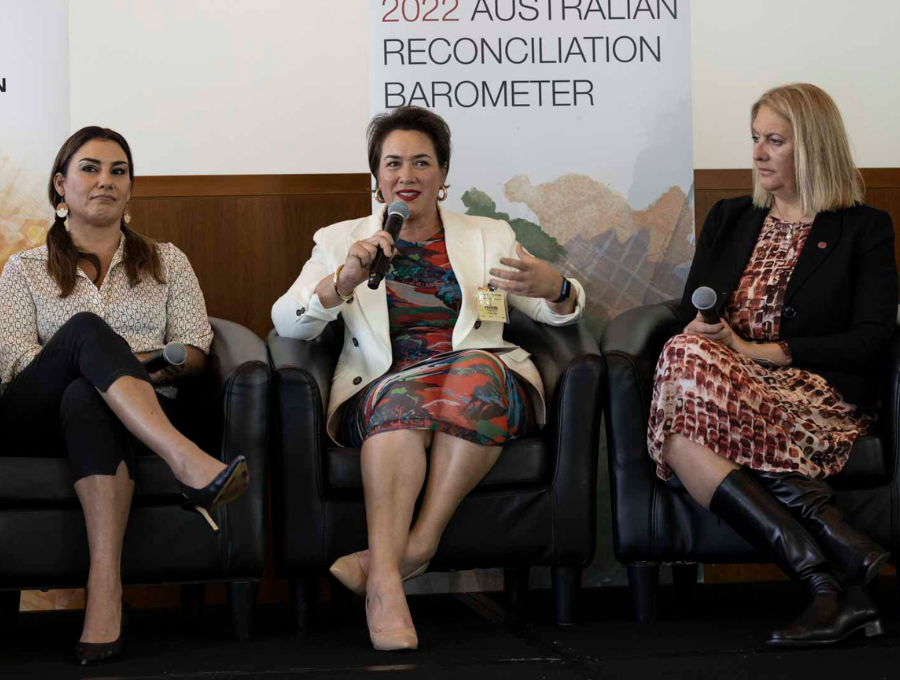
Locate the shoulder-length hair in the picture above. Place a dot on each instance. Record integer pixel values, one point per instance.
(827, 177)
(141, 253)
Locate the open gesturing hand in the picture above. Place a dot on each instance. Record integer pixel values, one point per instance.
(532, 276)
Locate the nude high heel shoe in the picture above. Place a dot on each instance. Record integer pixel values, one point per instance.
(395, 640)
(349, 571)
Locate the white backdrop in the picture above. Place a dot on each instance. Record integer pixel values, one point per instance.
(312, 70)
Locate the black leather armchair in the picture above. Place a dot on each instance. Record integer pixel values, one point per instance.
(44, 544)
(537, 506)
(655, 522)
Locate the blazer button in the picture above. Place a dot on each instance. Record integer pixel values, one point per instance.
(357, 380)
(301, 311)
(478, 324)
(789, 312)
(355, 342)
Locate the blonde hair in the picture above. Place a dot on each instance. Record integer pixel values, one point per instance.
(827, 177)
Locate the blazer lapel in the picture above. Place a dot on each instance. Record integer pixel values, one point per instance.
(372, 303)
(728, 264)
(750, 227)
(465, 248)
(823, 237)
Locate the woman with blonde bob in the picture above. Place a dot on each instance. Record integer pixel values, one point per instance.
(755, 411)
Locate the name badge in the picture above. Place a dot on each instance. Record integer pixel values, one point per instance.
(491, 305)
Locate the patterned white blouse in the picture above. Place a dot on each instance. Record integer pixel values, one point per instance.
(146, 316)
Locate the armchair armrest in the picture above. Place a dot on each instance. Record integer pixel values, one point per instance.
(239, 372)
(641, 332)
(632, 344)
(573, 372)
(302, 373)
(314, 359)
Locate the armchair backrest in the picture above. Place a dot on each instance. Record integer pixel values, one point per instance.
(889, 417)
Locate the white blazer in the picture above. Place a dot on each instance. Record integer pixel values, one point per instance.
(474, 246)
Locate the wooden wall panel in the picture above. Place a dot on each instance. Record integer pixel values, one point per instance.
(882, 190)
(246, 247)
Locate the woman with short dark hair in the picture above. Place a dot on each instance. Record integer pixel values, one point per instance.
(755, 411)
(76, 317)
(422, 369)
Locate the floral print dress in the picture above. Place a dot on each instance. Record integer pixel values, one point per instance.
(469, 394)
(771, 419)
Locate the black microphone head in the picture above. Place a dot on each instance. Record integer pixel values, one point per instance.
(704, 298)
(175, 353)
(399, 208)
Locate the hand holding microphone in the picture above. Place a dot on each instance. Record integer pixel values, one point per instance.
(365, 254)
(706, 301)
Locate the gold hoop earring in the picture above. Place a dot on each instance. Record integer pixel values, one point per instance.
(126, 216)
(443, 193)
(62, 210)
(379, 197)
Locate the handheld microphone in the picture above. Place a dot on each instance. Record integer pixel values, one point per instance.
(705, 300)
(173, 354)
(397, 214)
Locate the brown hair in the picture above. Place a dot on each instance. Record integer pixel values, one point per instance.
(408, 118)
(141, 253)
(827, 177)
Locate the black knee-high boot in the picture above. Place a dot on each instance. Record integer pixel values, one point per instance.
(855, 555)
(770, 527)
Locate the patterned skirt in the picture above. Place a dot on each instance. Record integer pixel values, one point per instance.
(772, 419)
(470, 394)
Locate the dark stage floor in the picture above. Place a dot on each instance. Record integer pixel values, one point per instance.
(720, 634)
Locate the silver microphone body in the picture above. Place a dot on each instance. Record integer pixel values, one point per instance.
(173, 354)
(706, 301)
(397, 214)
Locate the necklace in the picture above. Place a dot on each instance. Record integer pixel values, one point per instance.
(774, 212)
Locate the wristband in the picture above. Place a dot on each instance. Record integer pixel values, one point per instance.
(334, 280)
(565, 291)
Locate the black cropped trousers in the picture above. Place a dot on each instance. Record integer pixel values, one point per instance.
(54, 405)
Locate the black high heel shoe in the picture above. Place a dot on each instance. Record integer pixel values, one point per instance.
(89, 653)
(229, 485)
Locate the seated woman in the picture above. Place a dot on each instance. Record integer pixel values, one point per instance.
(755, 411)
(76, 317)
(415, 374)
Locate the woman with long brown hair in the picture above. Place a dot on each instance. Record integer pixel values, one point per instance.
(77, 315)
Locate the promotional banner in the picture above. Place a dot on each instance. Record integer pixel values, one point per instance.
(34, 122)
(34, 115)
(571, 119)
